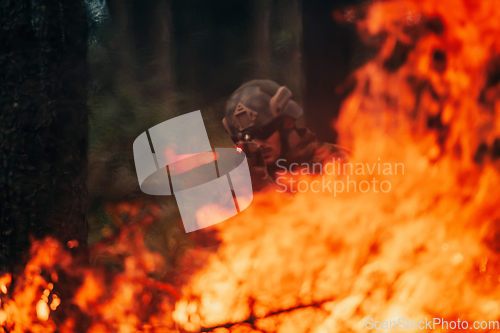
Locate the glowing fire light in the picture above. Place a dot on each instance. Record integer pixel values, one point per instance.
(5, 281)
(429, 248)
(72, 244)
(56, 301)
(42, 310)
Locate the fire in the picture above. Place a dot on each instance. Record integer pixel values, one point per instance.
(57, 291)
(5, 281)
(327, 262)
(428, 248)
(42, 310)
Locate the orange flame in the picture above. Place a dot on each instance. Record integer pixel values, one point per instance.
(319, 262)
(58, 292)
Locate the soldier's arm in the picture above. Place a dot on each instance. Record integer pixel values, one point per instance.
(327, 151)
(258, 170)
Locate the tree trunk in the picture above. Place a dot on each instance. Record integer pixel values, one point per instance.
(43, 124)
(290, 17)
(161, 48)
(262, 38)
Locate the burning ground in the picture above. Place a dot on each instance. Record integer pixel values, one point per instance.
(315, 262)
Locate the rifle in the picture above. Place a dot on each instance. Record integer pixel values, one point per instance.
(251, 150)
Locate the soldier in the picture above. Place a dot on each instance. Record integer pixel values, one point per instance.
(260, 118)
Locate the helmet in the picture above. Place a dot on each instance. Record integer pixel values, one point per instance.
(256, 107)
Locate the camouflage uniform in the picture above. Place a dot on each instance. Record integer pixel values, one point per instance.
(308, 152)
(251, 111)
